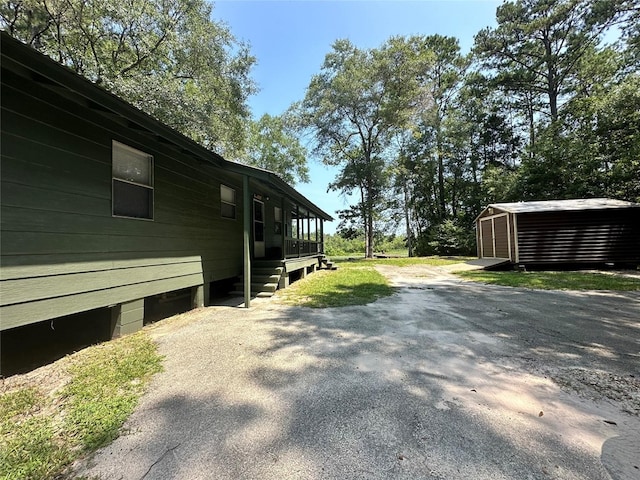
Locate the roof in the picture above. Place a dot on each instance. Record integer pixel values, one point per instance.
(561, 205)
(30, 63)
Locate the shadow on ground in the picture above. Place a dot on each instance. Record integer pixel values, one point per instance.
(444, 379)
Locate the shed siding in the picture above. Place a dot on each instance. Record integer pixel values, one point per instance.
(592, 236)
(61, 250)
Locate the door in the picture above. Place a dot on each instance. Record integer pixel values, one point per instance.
(258, 229)
(486, 238)
(495, 241)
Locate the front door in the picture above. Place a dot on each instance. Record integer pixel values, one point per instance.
(258, 229)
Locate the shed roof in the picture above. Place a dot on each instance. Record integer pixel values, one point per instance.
(28, 62)
(563, 205)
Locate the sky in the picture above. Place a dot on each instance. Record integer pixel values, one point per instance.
(291, 38)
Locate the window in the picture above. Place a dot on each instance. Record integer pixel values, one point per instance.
(277, 215)
(132, 182)
(227, 202)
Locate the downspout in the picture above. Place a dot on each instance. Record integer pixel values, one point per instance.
(246, 234)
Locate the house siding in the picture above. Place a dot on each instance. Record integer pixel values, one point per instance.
(62, 251)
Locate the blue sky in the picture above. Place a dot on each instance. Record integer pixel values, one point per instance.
(291, 38)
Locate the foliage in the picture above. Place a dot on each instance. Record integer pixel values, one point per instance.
(40, 435)
(167, 57)
(273, 145)
(555, 280)
(338, 288)
(446, 238)
(542, 108)
(339, 245)
(353, 106)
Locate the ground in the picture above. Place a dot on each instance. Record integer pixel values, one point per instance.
(445, 379)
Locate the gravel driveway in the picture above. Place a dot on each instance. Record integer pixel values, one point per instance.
(446, 379)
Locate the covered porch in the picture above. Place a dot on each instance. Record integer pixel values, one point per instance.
(284, 236)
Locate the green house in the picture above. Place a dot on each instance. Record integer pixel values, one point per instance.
(104, 207)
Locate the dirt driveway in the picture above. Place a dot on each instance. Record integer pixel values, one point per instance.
(445, 379)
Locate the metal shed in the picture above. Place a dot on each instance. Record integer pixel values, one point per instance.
(595, 230)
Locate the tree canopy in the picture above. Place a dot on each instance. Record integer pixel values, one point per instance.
(545, 106)
(274, 145)
(166, 57)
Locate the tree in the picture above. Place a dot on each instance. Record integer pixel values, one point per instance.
(432, 175)
(537, 53)
(538, 44)
(272, 145)
(166, 57)
(352, 106)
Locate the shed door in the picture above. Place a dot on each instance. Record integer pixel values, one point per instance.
(501, 236)
(486, 238)
(258, 229)
(494, 235)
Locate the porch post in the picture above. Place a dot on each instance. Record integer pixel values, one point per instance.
(284, 219)
(298, 229)
(322, 236)
(246, 235)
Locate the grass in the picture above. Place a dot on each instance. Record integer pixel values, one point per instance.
(41, 435)
(554, 280)
(434, 261)
(338, 288)
(356, 282)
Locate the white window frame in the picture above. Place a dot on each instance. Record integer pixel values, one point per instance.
(115, 145)
(234, 205)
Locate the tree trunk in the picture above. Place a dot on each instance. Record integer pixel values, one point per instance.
(532, 126)
(441, 200)
(368, 226)
(407, 219)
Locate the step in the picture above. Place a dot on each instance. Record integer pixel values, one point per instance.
(238, 293)
(267, 270)
(266, 264)
(274, 278)
(257, 287)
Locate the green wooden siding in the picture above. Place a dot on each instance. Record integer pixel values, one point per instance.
(61, 250)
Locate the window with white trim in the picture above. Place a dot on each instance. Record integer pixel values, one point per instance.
(227, 202)
(132, 182)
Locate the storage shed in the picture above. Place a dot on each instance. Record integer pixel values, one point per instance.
(580, 231)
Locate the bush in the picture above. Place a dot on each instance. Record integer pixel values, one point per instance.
(337, 246)
(447, 238)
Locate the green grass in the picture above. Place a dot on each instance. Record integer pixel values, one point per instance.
(434, 261)
(357, 285)
(41, 435)
(27, 439)
(356, 282)
(554, 280)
